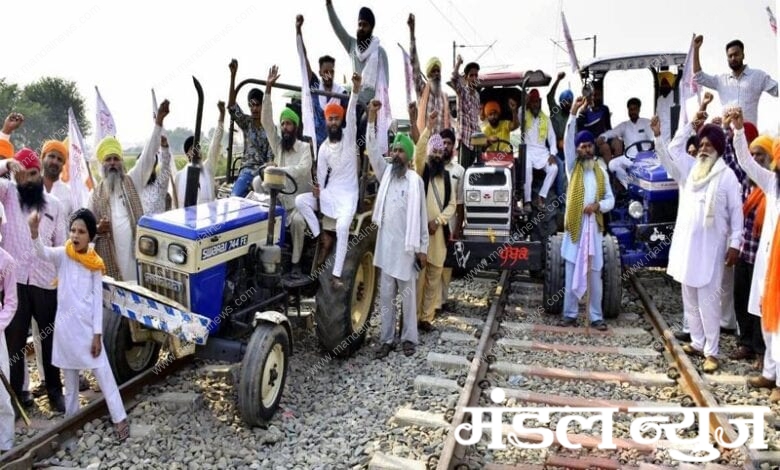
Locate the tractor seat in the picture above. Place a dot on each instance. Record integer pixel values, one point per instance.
(498, 159)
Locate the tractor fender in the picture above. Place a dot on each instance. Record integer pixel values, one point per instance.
(276, 318)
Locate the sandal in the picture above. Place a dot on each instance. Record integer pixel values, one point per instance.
(122, 430)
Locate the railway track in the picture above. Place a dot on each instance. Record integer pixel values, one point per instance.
(511, 345)
(48, 441)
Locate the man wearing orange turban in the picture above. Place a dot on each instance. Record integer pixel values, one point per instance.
(495, 128)
(764, 298)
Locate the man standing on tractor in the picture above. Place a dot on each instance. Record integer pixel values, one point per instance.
(294, 157)
(541, 147)
(709, 220)
(337, 172)
(440, 207)
(466, 89)
(742, 87)
(596, 118)
(403, 234)
(589, 197)
(430, 95)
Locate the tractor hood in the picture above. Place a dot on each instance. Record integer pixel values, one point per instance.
(210, 219)
(650, 174)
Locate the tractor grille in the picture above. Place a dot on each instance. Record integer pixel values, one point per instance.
(662, 212)
(167, 282)
(489, 209)
(486, 221)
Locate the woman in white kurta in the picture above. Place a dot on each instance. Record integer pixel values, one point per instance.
(78, 326)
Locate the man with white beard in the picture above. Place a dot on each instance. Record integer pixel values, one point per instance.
(709, 219)
(430, 96)
(402, 239)
(116, 202)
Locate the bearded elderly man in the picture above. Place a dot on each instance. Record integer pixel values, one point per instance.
(440, 204)
(116, 202)
(709, 219)
(402, 239)
(36, 292)
(294, 157)
(589, 197)
(430, 95)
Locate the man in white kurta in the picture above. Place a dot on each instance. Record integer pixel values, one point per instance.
(116, 226)
(207, 191)
(541, 147)
(294, 157)
(665, 102)
(337, 176)
(709, 219)
(402, 239)
(766, 180)
(635, 129)
(589, 195)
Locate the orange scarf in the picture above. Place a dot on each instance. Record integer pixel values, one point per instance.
(90, 260)
(756, 200)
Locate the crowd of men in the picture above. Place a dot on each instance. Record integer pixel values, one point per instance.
(725, 251)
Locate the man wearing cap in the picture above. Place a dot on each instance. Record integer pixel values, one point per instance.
(36, 291)
(117, 204)
(665, 102)
(337, 170)
(559, 116)
(467, 92)
(742, 87)
(295, 158)
(588, 198)
(402, 235)
(430, 95)
(257, 152)
(206, 184)
(541, 147)
(709, 219)
(440, 205)
(623, 136)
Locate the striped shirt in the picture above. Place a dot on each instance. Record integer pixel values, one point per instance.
(468, 109)
(743, 91)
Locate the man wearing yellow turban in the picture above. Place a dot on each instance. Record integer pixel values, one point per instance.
(116, 202)
(430, 95)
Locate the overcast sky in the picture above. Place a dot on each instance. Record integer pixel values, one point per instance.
(126, 48)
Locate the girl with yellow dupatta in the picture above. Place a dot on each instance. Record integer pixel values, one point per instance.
(78, 326)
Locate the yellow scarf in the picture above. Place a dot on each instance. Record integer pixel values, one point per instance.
(575, 200)
(544, 122)
(90, 260)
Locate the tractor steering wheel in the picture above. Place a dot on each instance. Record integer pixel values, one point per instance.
(637, 146)
(290, 186)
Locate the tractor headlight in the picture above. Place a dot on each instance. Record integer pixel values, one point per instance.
(147, 245)
(636, 209)
(501, 195)
(177, 253)
(472, 196)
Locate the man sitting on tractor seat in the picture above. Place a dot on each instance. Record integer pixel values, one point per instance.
(294, 157)
(497, 129)
(623, 136)
(541, 147)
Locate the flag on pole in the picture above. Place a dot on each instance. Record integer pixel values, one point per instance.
(688, 88)
(307, 106)
(586, 248)
(772, 20)
(77, 164)
(172, 164)
(105, 121)
(408, 74)
(575, 65)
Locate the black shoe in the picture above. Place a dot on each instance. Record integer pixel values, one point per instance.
(683, 336)
(40, 390)
(728, 331)
(383, 351)
(57, 403)
(425, 327)
(26, 399)
(599, 325)
(409, 348)
(567, 321)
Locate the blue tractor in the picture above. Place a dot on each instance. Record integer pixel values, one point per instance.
(641, 225)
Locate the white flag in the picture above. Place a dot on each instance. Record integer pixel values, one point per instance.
(103, 119)
(307, 107)
(575, 65)
(688, 88)
(77, 164)
(408, 74)
(171, 171)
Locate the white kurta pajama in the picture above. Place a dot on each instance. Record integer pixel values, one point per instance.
(396, 247)
(698, 251)
(539, 148)
(766, 180)
(79, 318)
(338, 200)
